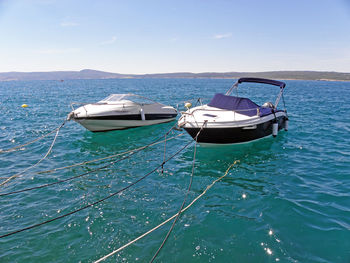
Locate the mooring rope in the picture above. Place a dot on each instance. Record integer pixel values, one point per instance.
(284, 105)
(67, 179)
(104, 158)
(170, 218)
(111, 156)
(132, 152)
(32, 166)
(184, 201)
(96, 202)
(164, 152)
(33, 141)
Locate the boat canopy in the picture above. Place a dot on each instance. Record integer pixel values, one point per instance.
(264, 81)
(241, 105)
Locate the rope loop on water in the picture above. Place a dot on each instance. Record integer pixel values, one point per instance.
(105, 158)
(130, 152)
(43, 158)
(7, 179)
(33, 141)
(170, 218)
(96, 202)
(184, 201)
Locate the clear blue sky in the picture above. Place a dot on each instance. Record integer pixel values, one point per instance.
(154, 36)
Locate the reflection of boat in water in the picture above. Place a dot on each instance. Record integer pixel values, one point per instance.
(122, 111)
(230, 119)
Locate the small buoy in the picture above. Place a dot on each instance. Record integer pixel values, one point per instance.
(24, 106)
(188, 105)
(274, 129)
(286, 125)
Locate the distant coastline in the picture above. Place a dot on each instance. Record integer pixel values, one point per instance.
(95, 74)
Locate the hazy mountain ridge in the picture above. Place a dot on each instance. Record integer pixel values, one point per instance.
(95, 74)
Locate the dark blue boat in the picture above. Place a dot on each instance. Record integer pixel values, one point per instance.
(231, 119)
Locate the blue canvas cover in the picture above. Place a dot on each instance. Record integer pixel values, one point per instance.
(265, 111)
(241, 105)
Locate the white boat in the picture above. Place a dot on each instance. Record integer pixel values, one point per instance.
(232, 119)
(122, 111)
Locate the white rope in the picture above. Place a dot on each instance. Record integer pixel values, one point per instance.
(33, 141)
(107, 157)
(32, 166)
(183, 202)
(170, 218)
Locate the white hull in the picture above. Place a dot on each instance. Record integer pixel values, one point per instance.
(196, 117)
(117, 112)
(109, 125)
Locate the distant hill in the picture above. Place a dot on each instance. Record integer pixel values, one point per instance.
(58, 75)
(95, 74)
(298, 75)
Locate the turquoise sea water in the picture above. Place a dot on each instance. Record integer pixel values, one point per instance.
(296, 186)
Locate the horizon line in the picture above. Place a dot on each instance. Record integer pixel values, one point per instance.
(178, 72)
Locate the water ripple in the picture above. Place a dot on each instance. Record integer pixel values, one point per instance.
(287, 200)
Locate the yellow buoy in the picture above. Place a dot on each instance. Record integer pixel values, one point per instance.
(24, 106)
(188, 105)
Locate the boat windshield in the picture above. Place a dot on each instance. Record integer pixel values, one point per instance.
(115, 98)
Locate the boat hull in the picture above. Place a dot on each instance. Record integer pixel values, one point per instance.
(110, 123)
(232, 135)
